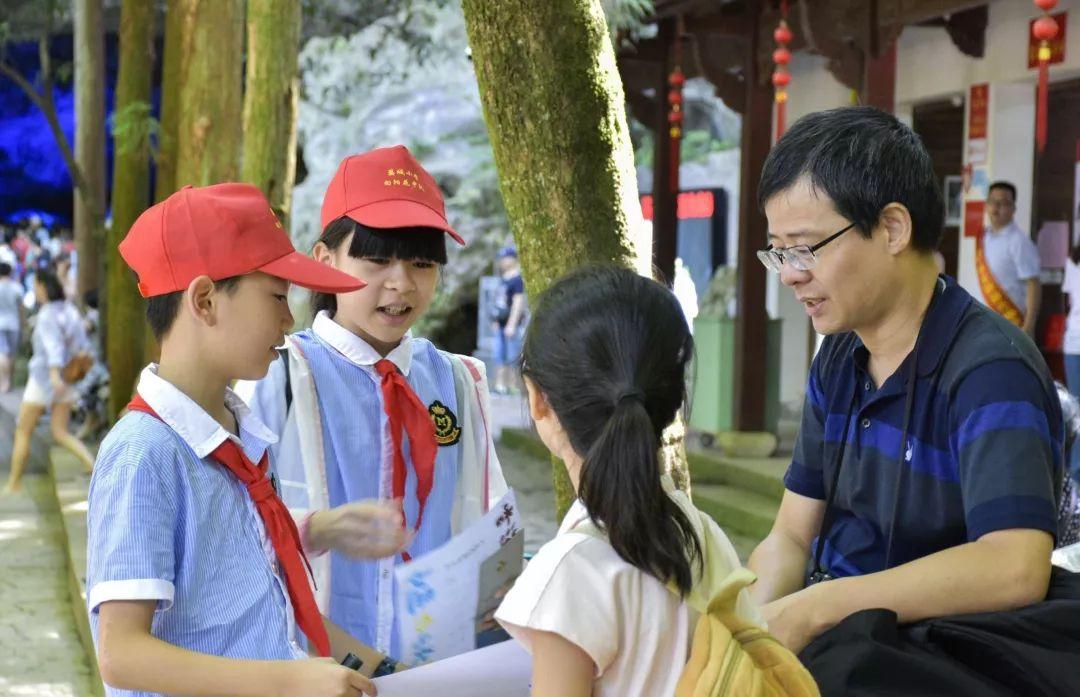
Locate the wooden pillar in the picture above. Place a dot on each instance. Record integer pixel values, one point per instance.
(750, 322)
(879, 80)
(665, 200)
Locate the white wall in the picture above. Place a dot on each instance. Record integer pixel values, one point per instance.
(813, 87)
(929, 66)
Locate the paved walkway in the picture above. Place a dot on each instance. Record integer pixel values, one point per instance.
(40, 652)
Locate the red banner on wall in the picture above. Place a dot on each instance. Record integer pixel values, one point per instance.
(974, 214)
(978, 115)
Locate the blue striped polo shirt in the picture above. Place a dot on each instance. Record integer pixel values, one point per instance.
(167, 523)
(983, 451)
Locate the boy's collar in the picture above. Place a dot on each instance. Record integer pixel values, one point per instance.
(358, 351)
(199, 430)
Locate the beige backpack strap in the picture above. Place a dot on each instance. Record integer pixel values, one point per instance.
(725, 599)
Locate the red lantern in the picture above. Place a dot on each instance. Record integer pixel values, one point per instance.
(1045, 29)
(781, 78)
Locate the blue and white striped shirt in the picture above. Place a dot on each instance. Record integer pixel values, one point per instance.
(168, 523)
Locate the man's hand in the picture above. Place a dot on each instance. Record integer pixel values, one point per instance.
(365, 529)
(510, 331)
(793, 619)
(1002, 570)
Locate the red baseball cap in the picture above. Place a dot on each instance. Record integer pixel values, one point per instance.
(386, 188)
(219, 231)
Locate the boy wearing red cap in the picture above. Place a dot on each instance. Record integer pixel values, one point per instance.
(367, 411)
(197, 582)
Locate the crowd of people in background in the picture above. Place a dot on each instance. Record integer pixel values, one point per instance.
(30, 246)
(44, 324)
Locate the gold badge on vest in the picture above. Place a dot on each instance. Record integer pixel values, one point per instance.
(447, 431)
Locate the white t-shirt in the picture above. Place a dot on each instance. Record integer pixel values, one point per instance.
(636, 631)
(1013, 259)
(1071, 285)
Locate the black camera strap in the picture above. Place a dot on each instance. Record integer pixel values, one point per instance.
(819, 573)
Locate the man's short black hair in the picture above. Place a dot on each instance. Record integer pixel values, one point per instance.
(5, 269)
(1007, 186)
(161, 310)
(863, 159)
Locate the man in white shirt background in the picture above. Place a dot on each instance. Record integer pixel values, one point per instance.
(1011, 256)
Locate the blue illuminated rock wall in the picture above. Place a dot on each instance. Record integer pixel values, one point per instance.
(33, 176)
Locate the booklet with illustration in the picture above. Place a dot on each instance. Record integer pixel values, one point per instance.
(447, 597)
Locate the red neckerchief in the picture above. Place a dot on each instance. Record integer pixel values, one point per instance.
(404, 409)
(280, 528)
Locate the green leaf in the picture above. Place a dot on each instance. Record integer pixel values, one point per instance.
(64, 72)
(628, 15)
(134, 128)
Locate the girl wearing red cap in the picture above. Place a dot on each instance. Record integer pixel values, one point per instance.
(369, 413)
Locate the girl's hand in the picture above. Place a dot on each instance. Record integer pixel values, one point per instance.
(365, 529)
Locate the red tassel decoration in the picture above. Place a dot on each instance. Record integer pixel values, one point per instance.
(676, 80)
(1040, 104)
(781, 78)
(1044, 29)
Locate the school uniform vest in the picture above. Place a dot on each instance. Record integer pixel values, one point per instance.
(357, 456)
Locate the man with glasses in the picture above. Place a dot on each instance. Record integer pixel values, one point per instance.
(1007, 262)
(925, 472)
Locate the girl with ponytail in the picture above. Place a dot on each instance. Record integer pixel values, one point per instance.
(606, 607)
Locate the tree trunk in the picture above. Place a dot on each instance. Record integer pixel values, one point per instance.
(270, 101)
(130, 196)
(208, 145)
(89, 138)
(554, 105)
(173, 63)
(169, 115)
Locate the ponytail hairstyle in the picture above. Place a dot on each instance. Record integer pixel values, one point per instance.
(609, 349)
(428, 244)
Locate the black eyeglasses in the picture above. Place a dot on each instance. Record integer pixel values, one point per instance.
(800, 256)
